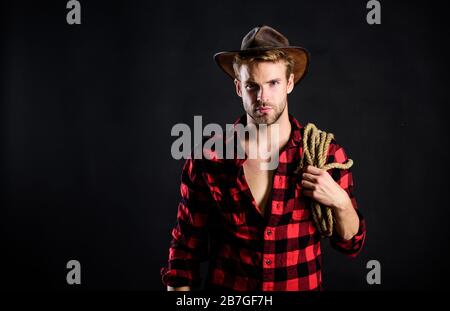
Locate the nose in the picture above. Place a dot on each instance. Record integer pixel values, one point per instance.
(261, 95)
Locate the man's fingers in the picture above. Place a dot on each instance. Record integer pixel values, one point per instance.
(308, 185)
(313, 170)
(309, 177)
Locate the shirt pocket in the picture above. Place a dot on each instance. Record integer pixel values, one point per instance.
(301, 214)
(302, 209)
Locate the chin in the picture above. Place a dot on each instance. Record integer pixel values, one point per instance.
(267, 119)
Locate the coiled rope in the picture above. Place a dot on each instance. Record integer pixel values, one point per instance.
(315, 149)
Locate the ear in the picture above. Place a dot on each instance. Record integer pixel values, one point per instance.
(237, 85)
(290, 84)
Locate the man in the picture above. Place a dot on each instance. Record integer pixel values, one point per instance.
(255, 225)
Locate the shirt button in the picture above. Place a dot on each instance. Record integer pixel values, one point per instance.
(268, 262)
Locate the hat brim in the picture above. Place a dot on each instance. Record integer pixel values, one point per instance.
(300, 55)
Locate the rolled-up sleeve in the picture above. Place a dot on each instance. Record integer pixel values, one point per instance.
(189, 243)
(344, 178)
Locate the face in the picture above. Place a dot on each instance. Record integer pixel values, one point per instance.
(264, 87)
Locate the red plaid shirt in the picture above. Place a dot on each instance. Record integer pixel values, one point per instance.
(218, 220)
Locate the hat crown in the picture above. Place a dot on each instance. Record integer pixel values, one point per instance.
(263, 36)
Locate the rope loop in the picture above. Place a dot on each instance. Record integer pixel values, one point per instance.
(315, 151)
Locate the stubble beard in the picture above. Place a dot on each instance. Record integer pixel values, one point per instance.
(269, 118)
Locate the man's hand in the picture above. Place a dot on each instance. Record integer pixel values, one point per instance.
(319, 185)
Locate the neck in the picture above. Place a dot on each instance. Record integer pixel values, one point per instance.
(264, 139)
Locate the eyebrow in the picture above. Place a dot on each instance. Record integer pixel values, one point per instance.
(272, 80)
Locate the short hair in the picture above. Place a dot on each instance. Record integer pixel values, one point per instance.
(273, 56)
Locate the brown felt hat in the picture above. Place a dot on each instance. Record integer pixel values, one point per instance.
(265, 38)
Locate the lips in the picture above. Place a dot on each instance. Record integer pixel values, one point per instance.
(263, 109)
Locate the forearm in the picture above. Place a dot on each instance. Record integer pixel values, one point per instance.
(347, 220)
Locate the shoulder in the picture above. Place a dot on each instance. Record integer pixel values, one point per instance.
(336, 152)
(210, 157)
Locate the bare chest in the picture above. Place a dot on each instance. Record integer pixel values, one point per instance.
(259, 181)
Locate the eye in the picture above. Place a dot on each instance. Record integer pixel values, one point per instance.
(250, 87)
(274, 82)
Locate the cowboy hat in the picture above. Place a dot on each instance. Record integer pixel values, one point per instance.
(263, 38)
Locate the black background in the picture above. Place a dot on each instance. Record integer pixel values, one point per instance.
(87, 112)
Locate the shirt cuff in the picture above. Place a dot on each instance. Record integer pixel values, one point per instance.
(178, 278)
(353, 246)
